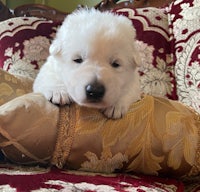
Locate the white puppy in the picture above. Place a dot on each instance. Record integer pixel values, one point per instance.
(93, 62)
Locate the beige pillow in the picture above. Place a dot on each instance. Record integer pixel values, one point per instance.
(28, 129)
(157, 136)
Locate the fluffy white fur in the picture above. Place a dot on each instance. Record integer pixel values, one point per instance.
(96, 50)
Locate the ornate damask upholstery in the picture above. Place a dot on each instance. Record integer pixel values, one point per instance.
(184, 25)
(25, 44)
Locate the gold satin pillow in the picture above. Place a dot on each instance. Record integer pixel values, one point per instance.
(12, 86)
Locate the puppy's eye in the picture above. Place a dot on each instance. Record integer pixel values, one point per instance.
(78, 60)
(115, 64)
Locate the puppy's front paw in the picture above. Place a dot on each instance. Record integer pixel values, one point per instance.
(115, 112)
(60, 97)
(57, 96)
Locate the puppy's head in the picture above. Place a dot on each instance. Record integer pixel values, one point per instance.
(95, 52)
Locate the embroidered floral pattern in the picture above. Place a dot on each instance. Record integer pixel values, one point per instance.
(157, 81)
(184, 18)
(106, 165)
(82, 186)
(36, 48)
(54, 180)
(17, 65)
(146, 54)
(7, 188)
(25, 44)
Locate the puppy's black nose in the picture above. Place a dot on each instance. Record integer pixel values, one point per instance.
(95, 91)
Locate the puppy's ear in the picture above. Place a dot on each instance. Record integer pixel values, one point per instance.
(55, 48)
(137, 58)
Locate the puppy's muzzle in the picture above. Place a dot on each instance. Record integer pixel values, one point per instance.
(95, 92)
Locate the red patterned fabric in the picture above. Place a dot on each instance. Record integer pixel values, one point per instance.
(185, 33)
(157, 70)
(37, 179)
(24, 44)
(25, 179)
